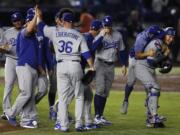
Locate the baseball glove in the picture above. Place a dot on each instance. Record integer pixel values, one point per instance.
(88, 77)
(4, 48)
(166, 67)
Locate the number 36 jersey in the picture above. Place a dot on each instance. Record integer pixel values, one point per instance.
(68, 43)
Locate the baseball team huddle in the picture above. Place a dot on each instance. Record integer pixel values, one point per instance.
(49, 59)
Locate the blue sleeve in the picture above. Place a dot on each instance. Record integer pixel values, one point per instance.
(123, 56)
(86, 55)
(40, 27)
(96, 44)
(49, 56)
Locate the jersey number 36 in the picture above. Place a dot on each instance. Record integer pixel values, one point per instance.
(65, 46)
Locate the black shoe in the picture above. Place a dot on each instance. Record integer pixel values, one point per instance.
(3, 116)
(159, 125)
(80, 129)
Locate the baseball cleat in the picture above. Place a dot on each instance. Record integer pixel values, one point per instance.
(148, 124)
(32, 124)
(3, 116)
(104, 121)
(12, 120)
(80, 129)
(91, 126)
(57, 126)
(156, 119)
(52, 114)
(159, 125)
(97, 120)
(124, 107)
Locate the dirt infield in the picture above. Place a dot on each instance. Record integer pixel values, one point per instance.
(6, 127)
(167, 83)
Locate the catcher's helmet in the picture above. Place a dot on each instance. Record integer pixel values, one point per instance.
(170, 31)
(96, 25)
(107, 21)
(17, 16)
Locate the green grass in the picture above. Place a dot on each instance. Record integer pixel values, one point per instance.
(131, 124)
(174, 71)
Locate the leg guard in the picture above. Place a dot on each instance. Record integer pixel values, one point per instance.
(152, 101)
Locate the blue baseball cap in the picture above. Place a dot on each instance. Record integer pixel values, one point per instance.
(30, 11)
(17, 16)
(68, 17)
(29, 17)
(96, 25)
(107, 21)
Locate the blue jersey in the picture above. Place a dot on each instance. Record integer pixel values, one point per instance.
(144, 38)
(45, 57)
(27, 49)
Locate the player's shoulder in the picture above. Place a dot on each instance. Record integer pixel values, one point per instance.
(11, 29)
(116, 33)
(50, 28)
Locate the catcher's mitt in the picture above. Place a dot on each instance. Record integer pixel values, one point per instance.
(166, 67)
(88, 77)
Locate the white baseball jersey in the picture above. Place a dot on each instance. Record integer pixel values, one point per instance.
(10, 37)
(111, 44)
(68, 43)
(154, 44)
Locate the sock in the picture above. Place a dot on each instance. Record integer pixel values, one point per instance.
(96, 104)
(128, 90)
(51, 98)
(102, 106)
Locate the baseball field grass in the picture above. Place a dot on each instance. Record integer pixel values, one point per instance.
(131, 124)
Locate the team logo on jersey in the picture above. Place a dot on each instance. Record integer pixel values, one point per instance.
(108, 45)
(12, 41)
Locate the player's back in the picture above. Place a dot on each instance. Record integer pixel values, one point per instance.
(67, 44)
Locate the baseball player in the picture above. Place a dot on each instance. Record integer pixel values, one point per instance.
(9, 41)
(45, 63)
(68, 45)
(105, 57)
(27, 65)
(142, 40)
(93, 42)
(52, 77)
(145, 72)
